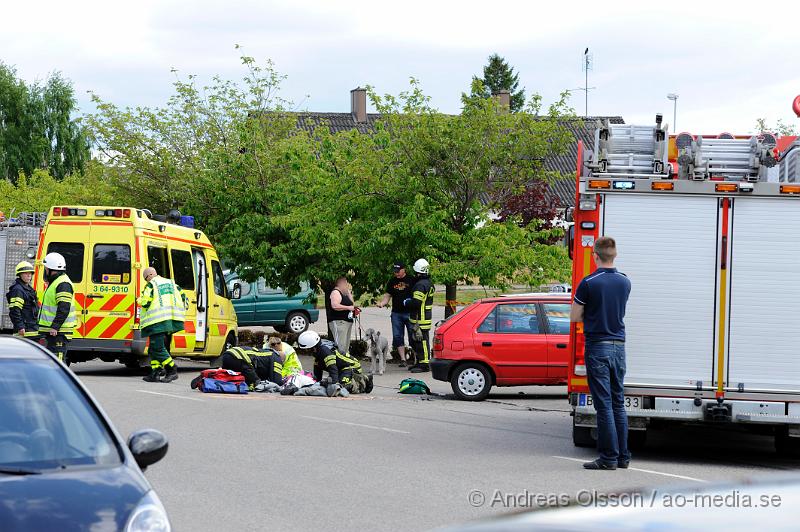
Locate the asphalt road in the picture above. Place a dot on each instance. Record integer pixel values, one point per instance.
(388, 461)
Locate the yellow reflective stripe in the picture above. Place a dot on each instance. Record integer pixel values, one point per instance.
(419, 295)
(15, 304)
(330, 359)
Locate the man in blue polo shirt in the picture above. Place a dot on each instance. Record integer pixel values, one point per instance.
(600, 304)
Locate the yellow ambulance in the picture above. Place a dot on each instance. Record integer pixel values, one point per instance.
(106, 249)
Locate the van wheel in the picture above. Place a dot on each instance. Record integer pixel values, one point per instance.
(296, 322)
(132, 363)
(582, 436)
(471, 381)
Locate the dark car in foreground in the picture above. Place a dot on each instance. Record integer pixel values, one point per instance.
(63, 466)
(518, 340)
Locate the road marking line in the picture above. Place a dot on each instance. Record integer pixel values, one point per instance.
(641, 470)
(172, 395)
(356, 424)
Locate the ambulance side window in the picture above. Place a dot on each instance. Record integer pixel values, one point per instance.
(182, 266)
(219, 279)
(111, 264)
(73, 255)
(157, 258)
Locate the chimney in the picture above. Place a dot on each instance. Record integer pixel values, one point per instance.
(503, 97)
(358, 105)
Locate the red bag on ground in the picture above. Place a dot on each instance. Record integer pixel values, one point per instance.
(217, 374)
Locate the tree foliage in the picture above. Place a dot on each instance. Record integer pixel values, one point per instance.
(536, 204)
(40, 191)
(284, 197)
(37, 130)
(499, 75)
(780, 127)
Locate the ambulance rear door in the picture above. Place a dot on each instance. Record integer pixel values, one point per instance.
(69, 238)
(109, 304)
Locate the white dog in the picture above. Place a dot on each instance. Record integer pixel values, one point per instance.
(377, 347)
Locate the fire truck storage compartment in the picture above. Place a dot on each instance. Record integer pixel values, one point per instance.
(667, 248)
(765, 295)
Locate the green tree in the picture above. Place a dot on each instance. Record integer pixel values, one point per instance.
(40, 191)
(499, 75)
(780, 127)
(37, 130)
(462, 169)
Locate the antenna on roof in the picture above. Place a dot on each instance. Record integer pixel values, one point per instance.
(586, 66)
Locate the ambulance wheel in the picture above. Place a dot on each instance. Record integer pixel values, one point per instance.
(296, 322)
(471, 381)
(132, 363)
(230, 341)
(582, 436)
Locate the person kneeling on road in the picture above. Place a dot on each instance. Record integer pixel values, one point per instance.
(342, 368)
(255, 364)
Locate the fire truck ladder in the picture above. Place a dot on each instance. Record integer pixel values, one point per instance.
(729, 158)
(789, 166)
(623, 150)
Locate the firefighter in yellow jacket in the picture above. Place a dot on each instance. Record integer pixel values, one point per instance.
(163, 313)
(23, 307)
(57, 317)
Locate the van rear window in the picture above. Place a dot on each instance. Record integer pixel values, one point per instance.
(73, 255)
(111, 264)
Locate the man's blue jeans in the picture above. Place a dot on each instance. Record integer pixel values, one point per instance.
(605, 369)
(400, 323)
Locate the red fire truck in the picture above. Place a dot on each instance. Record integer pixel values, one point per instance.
(707, 228)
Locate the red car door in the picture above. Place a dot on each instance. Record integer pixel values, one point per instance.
(557, 320)
(512, 337)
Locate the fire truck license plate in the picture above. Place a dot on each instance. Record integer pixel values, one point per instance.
(631, 401)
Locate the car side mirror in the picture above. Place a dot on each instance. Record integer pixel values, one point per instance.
(236, 293)
(148, 447)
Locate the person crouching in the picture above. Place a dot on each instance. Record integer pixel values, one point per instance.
(255, 364)
(342, 368)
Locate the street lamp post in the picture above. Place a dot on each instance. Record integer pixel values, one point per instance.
(674, 97)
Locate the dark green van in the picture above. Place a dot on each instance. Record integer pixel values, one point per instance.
(261, 305)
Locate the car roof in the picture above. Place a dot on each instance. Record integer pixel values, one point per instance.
(543, 296)
(15, 347)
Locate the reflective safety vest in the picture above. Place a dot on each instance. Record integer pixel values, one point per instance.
(50, 302)
(166, 303)
(423, 294)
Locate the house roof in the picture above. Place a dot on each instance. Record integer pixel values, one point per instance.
(582, 128)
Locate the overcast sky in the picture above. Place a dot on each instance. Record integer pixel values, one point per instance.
(729, 62)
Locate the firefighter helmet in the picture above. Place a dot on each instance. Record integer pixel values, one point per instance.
(24, 267)
(308, 339)
(421, 266)
(55, 261)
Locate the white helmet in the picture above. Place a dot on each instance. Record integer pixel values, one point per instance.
(308, 339)
(421, 266)
(55, 261)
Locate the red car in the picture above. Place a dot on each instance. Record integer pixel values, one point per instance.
(505, 341)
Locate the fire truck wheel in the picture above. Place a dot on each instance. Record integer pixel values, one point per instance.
(471, 381)
(785, 445)
(637, 439)
(582, 436)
